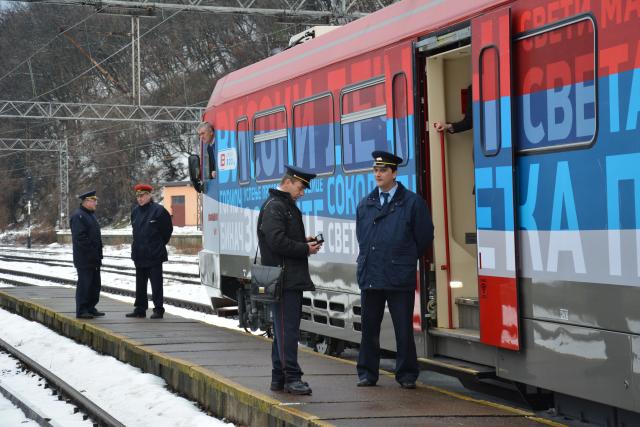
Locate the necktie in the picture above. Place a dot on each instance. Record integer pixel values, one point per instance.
(385, 196)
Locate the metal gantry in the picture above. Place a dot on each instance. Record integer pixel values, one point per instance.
(105, 112)
(59, 145)
(341, 10)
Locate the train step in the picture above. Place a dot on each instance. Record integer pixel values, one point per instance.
(456, 367)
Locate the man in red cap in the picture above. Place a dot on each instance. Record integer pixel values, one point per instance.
(152, 230)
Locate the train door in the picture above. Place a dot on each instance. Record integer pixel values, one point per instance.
(469, 181)
(449, 182)
(210, 199)
(210, 255)
(494, 178)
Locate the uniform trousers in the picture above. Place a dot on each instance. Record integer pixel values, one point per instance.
(87, 289)
(401, 309)
(143, 275)
(286, 332)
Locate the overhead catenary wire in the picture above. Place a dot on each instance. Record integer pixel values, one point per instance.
(49, 42)
(105, 59)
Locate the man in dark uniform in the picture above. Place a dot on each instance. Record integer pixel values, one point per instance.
(207, 137)
(87, 255)
(152, 230)
(282, 241)
(394, 229)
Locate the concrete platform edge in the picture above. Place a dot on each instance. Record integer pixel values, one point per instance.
(222, 397)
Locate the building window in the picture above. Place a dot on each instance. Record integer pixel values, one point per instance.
(363, 123)
(270, 144)
(177, 200)
(313, 135)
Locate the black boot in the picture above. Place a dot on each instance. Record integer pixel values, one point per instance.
(297, 387)
(157, 313)
(136, 313)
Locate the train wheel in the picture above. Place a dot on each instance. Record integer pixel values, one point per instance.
(259, 332)
(328, 346)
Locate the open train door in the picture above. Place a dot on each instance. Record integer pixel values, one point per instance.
(494, 178)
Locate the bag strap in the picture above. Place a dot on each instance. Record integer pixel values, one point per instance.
(255, 257)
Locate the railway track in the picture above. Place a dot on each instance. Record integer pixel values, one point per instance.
(14, 250)
(190, 278)
(191, 305)
(98, 415)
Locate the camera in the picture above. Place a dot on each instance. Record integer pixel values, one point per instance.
(319, 238)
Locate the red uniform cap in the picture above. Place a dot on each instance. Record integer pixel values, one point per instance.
(143, 187)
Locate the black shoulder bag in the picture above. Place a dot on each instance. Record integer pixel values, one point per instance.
(266, 280)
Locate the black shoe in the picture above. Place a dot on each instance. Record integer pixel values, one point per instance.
(97, 313)
(408, 384)
(366, 382)
(277, 385)
(156, 315)
(297, 387)
(84, 316)
(136, 314)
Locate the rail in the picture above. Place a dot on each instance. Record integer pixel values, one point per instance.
(99, 415)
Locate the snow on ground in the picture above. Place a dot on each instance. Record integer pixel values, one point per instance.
(125, 251)
(12, 416)
(171, 288)
(128, 231)
(31, 390)
(132, 397)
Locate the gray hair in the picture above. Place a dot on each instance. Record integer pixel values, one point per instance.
(205, 125)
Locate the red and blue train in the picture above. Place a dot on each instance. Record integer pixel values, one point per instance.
(534, 274)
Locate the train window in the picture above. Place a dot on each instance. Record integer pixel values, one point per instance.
(363, 123)
(490, 110)
(244, 166)
(400, 117)
(555, 86)
(270, 144)
(313, 134)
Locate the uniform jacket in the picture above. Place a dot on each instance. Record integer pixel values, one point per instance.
(152, 230)
(281, 238)
(391, 239)
(211, 152)
(86, 239)
(467, 121)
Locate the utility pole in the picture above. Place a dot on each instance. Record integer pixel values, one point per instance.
(135, 59)
(29, 196)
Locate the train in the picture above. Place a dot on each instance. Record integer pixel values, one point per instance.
(534, 274)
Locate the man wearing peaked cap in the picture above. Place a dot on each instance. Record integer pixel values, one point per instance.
(385, 159)
(87, 255)
(394, 229)
(88, 194)
(282, 241)
(143, 188)
(300, 175)
(152, 229)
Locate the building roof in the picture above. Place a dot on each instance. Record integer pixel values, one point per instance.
(177, 184)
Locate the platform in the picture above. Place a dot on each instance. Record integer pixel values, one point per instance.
(228, 372)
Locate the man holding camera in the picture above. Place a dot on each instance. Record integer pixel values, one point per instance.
(282, 242)
(394, 229)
